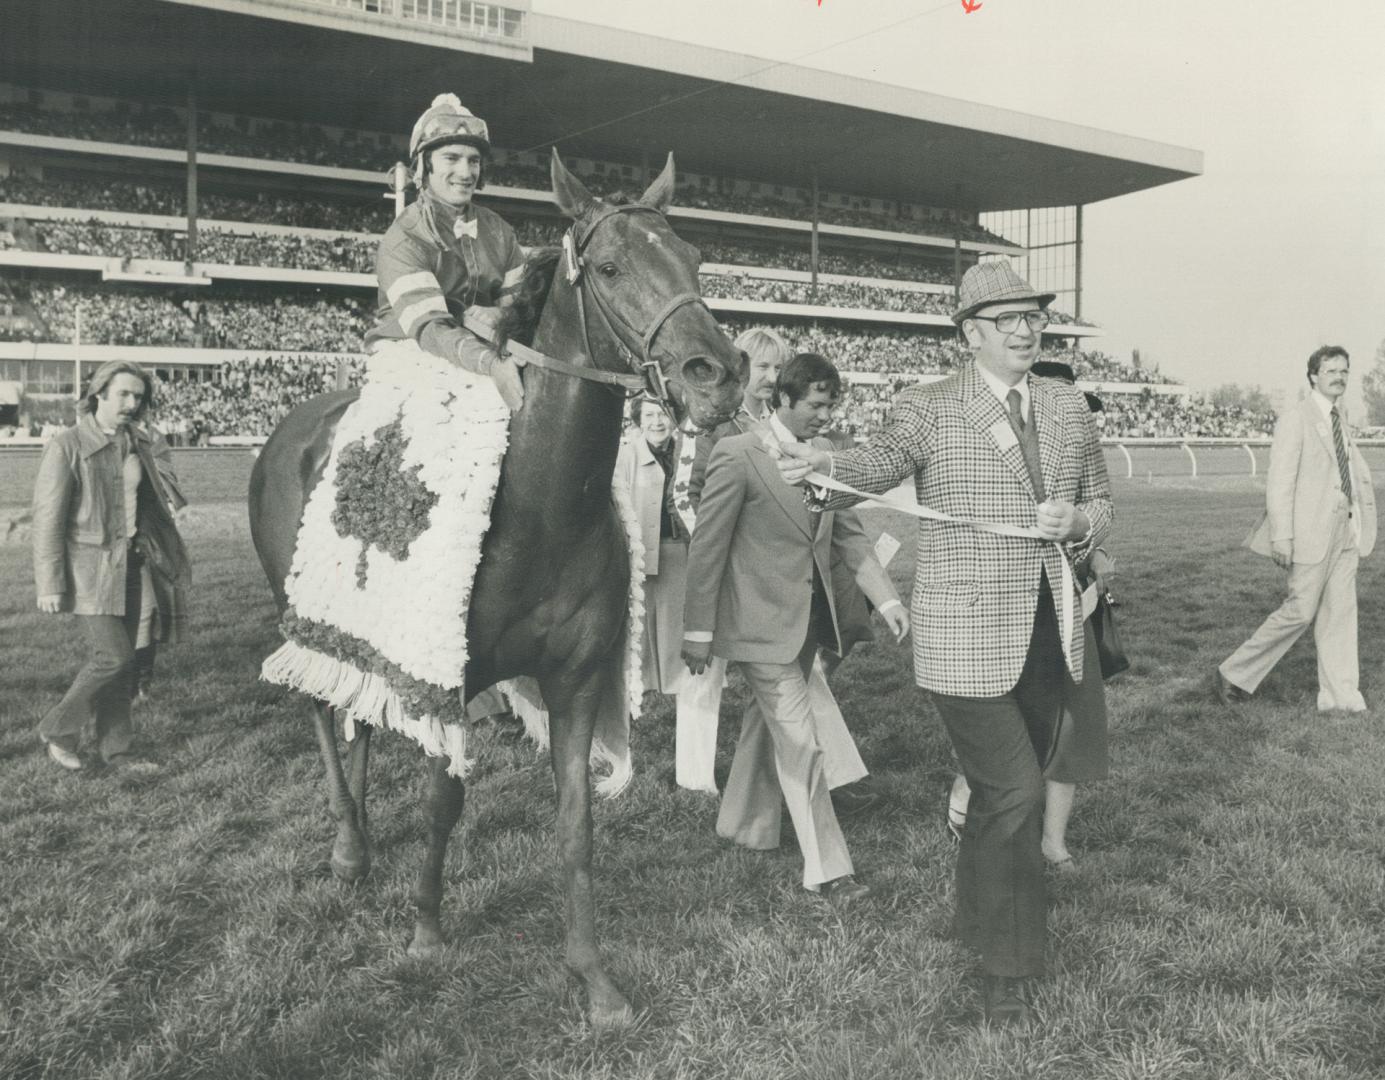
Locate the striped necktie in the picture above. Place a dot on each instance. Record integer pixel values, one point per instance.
(1342, 466)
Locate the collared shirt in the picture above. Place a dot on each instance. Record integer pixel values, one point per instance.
(1002, 392)
(755, 422)
(779, 431)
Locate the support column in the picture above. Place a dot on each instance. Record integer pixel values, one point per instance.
(190, 253)
(813, 252)
(1077, 264)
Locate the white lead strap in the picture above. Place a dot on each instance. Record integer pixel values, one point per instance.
(1028, 532)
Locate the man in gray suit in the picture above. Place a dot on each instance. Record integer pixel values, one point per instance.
(760, 594)
(1319, 521)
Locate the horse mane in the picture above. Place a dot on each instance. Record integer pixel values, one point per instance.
(519, 319)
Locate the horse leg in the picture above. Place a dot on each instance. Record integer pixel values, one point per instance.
(446, 797)
(570, 735)
(359, 763)
(350, 853)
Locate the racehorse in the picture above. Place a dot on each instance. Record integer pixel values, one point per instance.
(623, 311)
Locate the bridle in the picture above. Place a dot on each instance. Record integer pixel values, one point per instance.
(651, 378)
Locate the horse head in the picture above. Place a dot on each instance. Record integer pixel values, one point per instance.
(637, 288)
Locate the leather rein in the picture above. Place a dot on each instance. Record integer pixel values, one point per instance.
(651, 378)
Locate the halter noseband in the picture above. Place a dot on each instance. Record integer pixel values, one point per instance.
(651, 378)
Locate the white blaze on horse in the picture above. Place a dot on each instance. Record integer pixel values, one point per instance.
(549, 600)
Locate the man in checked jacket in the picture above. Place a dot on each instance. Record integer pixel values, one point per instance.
(992, 443)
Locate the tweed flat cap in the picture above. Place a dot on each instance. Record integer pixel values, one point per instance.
(994, 283)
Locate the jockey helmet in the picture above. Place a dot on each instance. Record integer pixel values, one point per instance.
(447, 121)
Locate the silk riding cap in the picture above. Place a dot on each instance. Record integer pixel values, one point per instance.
(448, 121)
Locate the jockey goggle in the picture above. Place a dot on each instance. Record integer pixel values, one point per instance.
(453, 125)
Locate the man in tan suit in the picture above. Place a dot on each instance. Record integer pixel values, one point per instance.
(1319, 521)
(760, 594)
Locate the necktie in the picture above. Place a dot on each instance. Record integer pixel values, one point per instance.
(1340, 443)
(1029, 443)
(462, 227)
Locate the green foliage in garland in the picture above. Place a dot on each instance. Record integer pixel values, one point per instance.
(419, 697)
(378, 500)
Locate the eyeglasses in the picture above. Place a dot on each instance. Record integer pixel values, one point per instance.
(1009, 322)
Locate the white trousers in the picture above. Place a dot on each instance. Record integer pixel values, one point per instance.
(699, 709)
(1322, 594)
(778, 763)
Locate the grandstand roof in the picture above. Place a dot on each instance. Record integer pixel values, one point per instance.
(596, 91)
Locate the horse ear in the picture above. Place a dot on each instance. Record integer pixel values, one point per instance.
(571, 194)
(659, 194)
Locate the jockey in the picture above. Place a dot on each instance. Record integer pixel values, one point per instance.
(445, 261)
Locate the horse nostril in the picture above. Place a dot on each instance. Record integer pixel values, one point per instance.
(701, 373)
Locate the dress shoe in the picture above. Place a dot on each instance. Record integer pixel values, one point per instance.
(61, 755)
(1005, 1006)
(845, 890)
(1228, 693)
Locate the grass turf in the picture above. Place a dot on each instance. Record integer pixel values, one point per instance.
(1226, 920)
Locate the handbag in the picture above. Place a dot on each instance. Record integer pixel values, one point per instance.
(1109, 649)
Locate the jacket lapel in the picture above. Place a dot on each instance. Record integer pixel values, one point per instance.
(1044, 411)
(90, 437)
(789, 498)
(983, 409)
(1322, 425)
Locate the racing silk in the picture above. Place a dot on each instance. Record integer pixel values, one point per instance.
(433, 264)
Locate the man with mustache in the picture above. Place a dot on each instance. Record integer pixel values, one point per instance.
(106, 550)
(1319, 522)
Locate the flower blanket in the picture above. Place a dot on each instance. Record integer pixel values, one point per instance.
(387, 553)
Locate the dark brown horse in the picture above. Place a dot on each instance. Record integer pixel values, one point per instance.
(550, 597)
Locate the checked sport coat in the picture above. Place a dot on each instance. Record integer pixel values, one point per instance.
(975, 593)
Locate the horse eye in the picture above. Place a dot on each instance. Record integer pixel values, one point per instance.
(608, 270)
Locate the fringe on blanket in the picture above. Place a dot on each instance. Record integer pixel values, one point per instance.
(361, 697)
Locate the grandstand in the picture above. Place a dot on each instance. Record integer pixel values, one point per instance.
(218, 221)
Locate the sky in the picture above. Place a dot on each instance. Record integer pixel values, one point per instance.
(1231, 277)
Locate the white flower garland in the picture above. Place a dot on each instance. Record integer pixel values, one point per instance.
(413, 612)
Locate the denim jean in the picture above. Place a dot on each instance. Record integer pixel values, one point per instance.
(104, 686)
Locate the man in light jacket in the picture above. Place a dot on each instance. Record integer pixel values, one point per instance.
(1319, 522)
(106, 549)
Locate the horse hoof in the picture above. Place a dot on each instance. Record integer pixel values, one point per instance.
(612, 1014)
(350, 871)
(427, 944)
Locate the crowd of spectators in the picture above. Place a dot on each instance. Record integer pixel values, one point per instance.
(249, 397)
(893, 351)
(298, 252)
(247, 320)
(853, 264)
(1095, 366)
(870, 297)
(144, 125)
(168, 200)
(1154, 416)
(113, 241)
